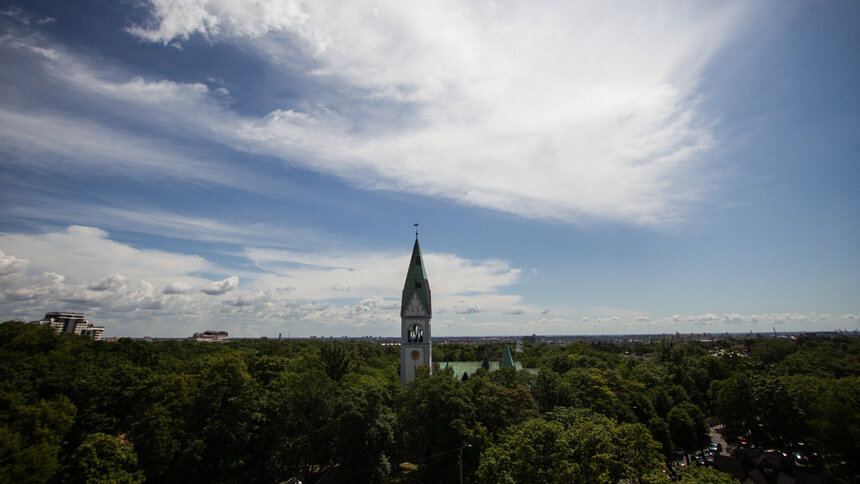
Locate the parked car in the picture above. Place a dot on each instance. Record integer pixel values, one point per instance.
(678, 458)
(715, 447)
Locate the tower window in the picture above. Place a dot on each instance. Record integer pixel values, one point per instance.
(415, 334)
(417, 285)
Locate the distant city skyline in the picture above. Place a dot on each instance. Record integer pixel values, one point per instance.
(171, 167)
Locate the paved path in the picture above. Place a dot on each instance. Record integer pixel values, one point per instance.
(717, 436)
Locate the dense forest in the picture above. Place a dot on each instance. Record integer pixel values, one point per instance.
(76, 410)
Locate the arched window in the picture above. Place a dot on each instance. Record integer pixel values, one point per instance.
(415, 334)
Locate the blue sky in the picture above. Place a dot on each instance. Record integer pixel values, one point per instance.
(576, 168)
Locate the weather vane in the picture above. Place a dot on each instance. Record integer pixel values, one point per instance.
(416, 231)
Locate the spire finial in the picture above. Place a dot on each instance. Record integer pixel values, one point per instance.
(416, 231)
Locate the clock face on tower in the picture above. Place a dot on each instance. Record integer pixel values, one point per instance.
(415, 355)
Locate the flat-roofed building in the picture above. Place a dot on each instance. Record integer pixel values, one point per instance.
(75, 323)
(212, 337)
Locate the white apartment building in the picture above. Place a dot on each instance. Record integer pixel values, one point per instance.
(211, 337)
(75, 323)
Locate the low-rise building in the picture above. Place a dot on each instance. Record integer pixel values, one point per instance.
(211, 337)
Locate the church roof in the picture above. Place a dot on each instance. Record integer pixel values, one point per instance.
(507, 359)
(416, 281)
(470, 367)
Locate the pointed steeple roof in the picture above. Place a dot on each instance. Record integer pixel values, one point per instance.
(416, 281)
(507, 359)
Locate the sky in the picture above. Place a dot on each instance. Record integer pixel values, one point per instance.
(175, 166)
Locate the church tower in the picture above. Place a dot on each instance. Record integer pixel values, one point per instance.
(415, 313)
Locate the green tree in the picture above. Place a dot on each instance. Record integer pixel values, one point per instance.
(778, 421)
(575, 445)
(836, 421)
(105, 459)
(759, 407)
(733, 404)
(659, 430)
(693, 475)
(687, 427)
(166, 427)
(31, 437)
(296, 439)
(437, 418)
(231, 407)
(550, 390)
(608, 451)
(335, 360)
(498, 407)
(535, 451)
(366, 425)
(768, 352)
(591, 389)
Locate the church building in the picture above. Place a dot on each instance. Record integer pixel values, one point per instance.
(415, 340)
(463, 370)
(415, 314)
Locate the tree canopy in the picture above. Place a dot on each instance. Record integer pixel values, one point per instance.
(76, 410)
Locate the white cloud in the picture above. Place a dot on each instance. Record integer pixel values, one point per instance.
(703, 318)
(468, 310)
(179, 19)
(10, 264)
(457, 283)
(88, 254)
(137, 292)
(373, 304)
(81, 268)
(254, 298)
(177, 288)
(551, 110)
(114, 282)
(221, 287)
(578, 117)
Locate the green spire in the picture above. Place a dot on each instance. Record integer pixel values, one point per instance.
(507, 359)
(416, 281)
